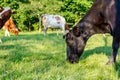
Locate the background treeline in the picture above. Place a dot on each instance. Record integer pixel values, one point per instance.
(29, 11)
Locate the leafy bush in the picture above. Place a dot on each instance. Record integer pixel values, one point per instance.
(29, 11)
(73, 10)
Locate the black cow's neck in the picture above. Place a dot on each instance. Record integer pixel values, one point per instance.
(90, 28)
(86, 29)
(94, 21)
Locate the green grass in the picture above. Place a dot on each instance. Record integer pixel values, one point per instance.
(32, 56)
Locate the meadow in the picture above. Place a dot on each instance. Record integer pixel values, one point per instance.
(32, 56)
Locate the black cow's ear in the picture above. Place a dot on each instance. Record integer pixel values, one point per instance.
(65, 33)
(76, 31)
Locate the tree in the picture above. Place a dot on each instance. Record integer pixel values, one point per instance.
(27, 18)
(12, 4)
(73, 10)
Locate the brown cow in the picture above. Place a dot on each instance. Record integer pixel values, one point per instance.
(9, 26)
(103, 17)
(5, 14)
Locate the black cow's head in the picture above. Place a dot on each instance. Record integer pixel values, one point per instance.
(75, 43)
(5, 14)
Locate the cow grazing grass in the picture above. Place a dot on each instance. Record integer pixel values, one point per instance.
(33, 56)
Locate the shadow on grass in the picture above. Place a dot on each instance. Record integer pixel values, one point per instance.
(104, 49)
(101, 49)
(117, 68)
(35, 36)
(14, 55)
(18, 51)
(107, 50)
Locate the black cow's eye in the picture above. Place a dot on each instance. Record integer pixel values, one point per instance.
(71, 38)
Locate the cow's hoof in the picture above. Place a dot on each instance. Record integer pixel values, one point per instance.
(110, 63)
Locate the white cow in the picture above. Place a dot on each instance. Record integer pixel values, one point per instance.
(53, 21)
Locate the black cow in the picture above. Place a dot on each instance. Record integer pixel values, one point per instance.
(103, 17)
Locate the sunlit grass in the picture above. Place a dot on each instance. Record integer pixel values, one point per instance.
(32, 56)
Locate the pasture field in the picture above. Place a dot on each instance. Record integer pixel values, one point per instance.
(32, 56)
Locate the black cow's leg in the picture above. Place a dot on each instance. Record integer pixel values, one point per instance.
(115, 46)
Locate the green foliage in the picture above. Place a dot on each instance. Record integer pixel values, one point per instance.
(11, 3)
(29, 11)
(30, 18)
(73, 10)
